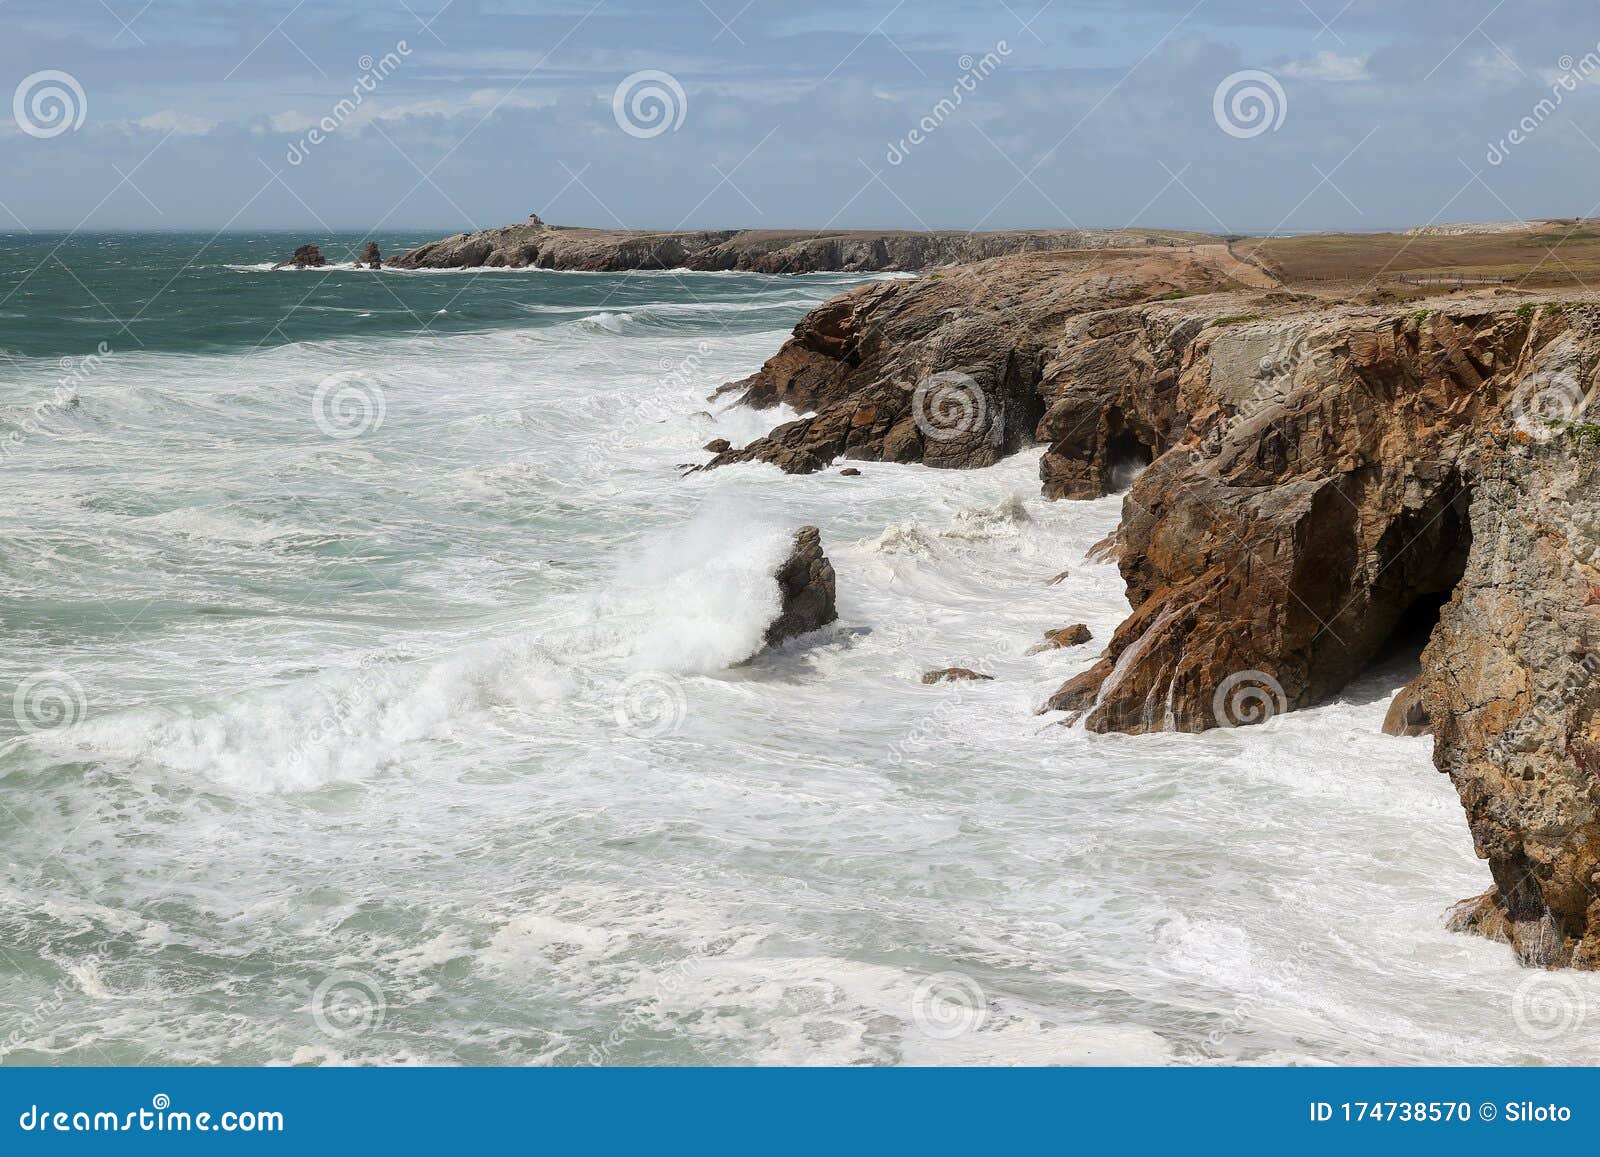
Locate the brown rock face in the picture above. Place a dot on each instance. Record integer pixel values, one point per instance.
(304, 257)
(1511, 681)
(1407, 715)
(1319, 495)
(370, 257)
(806, 584)
(956, 371)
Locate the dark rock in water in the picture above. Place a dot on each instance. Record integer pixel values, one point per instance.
(1057, 579)
(1407, 714)
(1073, 636)
(953, 674)
(717, 446)
(850, 472)
(370, 256)
(806, 583)
(305, 257)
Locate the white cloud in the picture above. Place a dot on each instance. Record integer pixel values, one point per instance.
(171, 121)
(1328, 66)
(481, 103)
(290, 122)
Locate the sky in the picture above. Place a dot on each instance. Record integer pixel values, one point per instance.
(1231, 116)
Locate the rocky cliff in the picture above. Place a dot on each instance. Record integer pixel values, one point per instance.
(1307, 481)
(1509, 681)
(535, 244)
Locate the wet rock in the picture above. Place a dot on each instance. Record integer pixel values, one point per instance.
(1108, 549)
(304, 257)
(1407, 715)
(1056, 580)
(717, 446)
(850, 472)
(953, 675)
(370, 257)
(1073, 636)
(807, 588)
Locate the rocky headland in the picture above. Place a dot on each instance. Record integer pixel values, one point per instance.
(534, 244)
(1308, 477)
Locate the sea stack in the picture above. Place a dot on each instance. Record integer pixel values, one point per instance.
(806, 585)
(304, 257)
(370, 257)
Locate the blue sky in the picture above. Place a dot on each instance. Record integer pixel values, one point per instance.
(1380, 114)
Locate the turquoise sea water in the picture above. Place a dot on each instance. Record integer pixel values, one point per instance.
(377, 688)
(62, 295)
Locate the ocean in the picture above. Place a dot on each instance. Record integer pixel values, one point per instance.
(378, 688)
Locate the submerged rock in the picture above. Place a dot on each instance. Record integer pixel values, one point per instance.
(304, 257)
(806, 585)
(953, 675)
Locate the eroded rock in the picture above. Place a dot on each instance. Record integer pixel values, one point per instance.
(304, 257)
(1511, 682)
(807, 587)
(957, 372)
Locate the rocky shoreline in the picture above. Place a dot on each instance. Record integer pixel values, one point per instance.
(534, 244)
(1308, 480)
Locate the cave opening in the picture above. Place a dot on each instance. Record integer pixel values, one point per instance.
(1433, 562)
(1125, 457)
(1413, 629)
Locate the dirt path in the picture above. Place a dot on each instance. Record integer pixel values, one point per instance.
(1237, 268)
